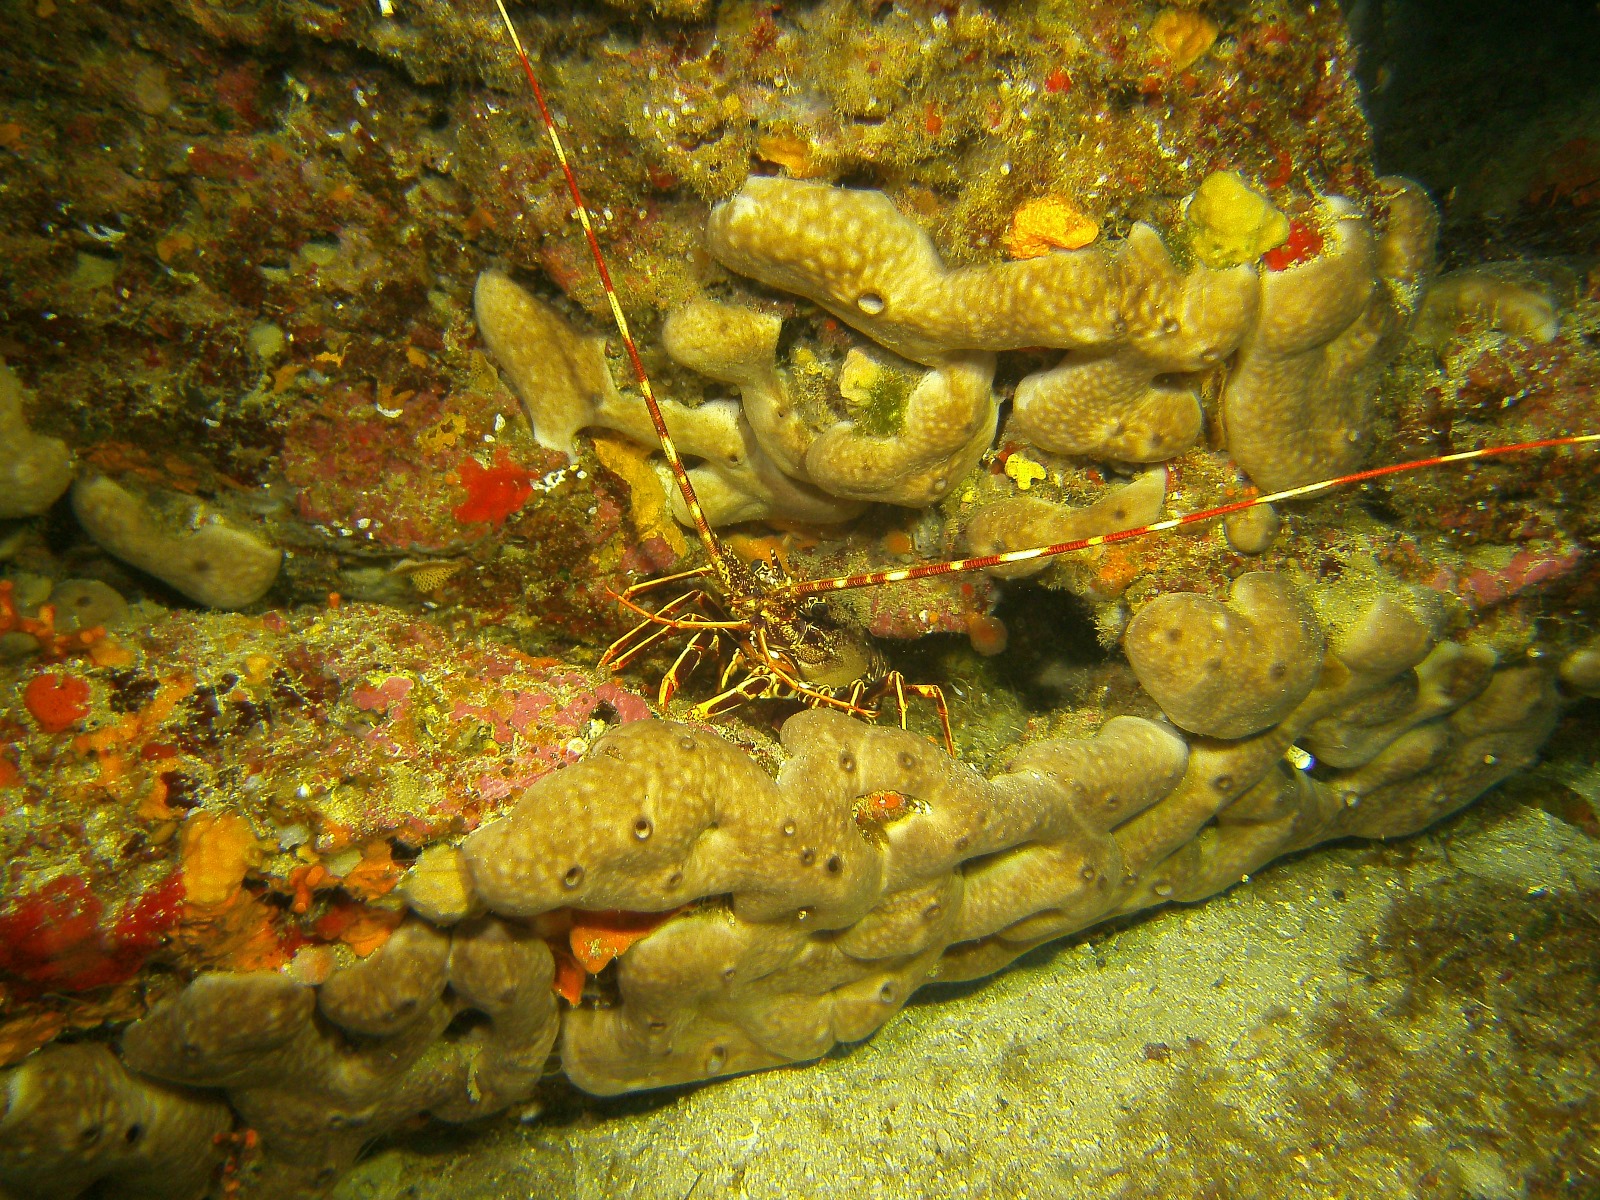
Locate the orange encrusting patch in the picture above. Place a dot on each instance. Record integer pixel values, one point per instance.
(793, 154)
(153, 804)
(1183, 35)
(1049, 223)
(751, 548)
(105, 743)
(43, 627)
(218, 851)
(592, 941)
(57, 702)
(305, 881)
(224, 923)
(375, 875)
(1118, 567)
(238, 935)
(987, 633)
(598, 937)
(569, 975)
(876, 809)
(359, 926)
(108, 652)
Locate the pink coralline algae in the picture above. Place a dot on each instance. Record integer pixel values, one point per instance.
(387, 697)
(529, 710)
(517, 726)
(1527, 571)
(652, 556)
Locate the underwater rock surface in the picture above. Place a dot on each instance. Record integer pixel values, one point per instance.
(342, 803)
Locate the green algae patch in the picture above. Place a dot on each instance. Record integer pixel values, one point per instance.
(876, 394)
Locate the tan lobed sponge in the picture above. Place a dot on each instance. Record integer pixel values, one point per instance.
(1580, 670)
(566, 385)
(1145, 336)
(1227, 670)
(73, 1117)
(798, 910)
(211, 563)
(1022, 522)
(855, 254)
(1137, 322)
(1142, 333)
(319, 1073)
(1298, 404)
(34, 470)
(1518, 299)
(769, 456)
(935, 423)
(1137, 398)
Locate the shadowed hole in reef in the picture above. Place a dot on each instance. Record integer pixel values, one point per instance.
(1052, 658)
(1052, 646)
(1472, 98)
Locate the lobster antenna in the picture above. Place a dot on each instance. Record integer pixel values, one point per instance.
(813, 587)
(702, 527)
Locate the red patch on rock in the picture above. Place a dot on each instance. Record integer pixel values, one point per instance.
(57, 702)
(1304, 243)
(493, 493)
(51, 941)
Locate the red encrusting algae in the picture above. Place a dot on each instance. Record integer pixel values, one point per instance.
(57, 702)
(1304, 243)
(493, 493)
(51, 941)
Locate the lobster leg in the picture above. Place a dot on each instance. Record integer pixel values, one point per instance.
(812, 698)
(702, 643)
(752, 687)
(931, 692)
(660, 624)
(895, 684)
(649, 585)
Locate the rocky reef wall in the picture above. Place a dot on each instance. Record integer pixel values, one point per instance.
(320, 466)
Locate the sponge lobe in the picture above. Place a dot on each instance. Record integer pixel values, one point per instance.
(1228, 670)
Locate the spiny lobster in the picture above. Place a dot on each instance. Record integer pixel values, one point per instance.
(773, 631)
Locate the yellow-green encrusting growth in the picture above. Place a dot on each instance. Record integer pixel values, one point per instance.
(878, 406)
(1229, 223)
